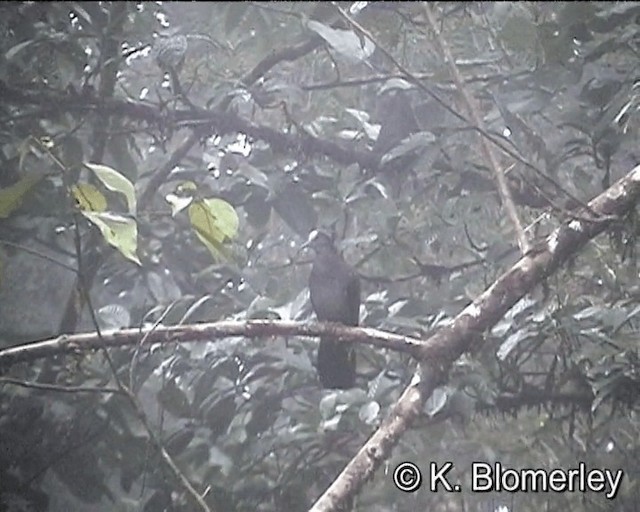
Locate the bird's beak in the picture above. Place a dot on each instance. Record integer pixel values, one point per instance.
(304, 246)
(308, 242)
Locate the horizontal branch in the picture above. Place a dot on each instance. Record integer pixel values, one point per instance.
(57, 388)
(75, 343)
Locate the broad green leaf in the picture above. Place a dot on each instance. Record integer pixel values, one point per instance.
(217, 250)
(211, 215)
(119, 232)
(215, 221)
(116, 182)
(89, 198)
(11, 197)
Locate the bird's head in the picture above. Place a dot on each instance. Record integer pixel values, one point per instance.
(319, 241)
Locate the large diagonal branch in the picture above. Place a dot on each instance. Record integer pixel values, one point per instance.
(442, 349)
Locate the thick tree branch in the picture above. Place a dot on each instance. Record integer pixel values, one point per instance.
(204, 122)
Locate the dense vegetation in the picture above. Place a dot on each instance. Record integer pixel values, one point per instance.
(162, 165)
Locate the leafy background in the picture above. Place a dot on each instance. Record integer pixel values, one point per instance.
(283, 118)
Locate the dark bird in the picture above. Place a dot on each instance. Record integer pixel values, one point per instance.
(397, 120)
(396, 154)
(334, 287)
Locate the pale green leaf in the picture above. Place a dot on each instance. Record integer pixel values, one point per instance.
(115, 182)
(178, 203)
(215, 221)
(119, 232)
(89, 198)
(227, 218)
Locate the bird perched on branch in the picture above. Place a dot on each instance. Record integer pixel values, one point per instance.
(334, 287)
(170, 50)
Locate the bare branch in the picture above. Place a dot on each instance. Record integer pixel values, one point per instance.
(57, 388)
(487, 150)
(76, 343)
(161, 174)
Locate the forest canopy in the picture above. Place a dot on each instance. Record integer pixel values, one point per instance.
(473, 164)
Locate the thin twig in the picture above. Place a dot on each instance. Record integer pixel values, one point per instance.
(488, 136)
(487, 150)
(161, 174)
(39, 255)
(58, 388)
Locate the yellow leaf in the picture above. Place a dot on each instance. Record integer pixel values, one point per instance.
(89, 198)
(215, 221)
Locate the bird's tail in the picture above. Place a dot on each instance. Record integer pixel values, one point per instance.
(336, 364)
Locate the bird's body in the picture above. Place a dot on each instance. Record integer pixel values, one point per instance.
(334, 287)
(170, 51)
